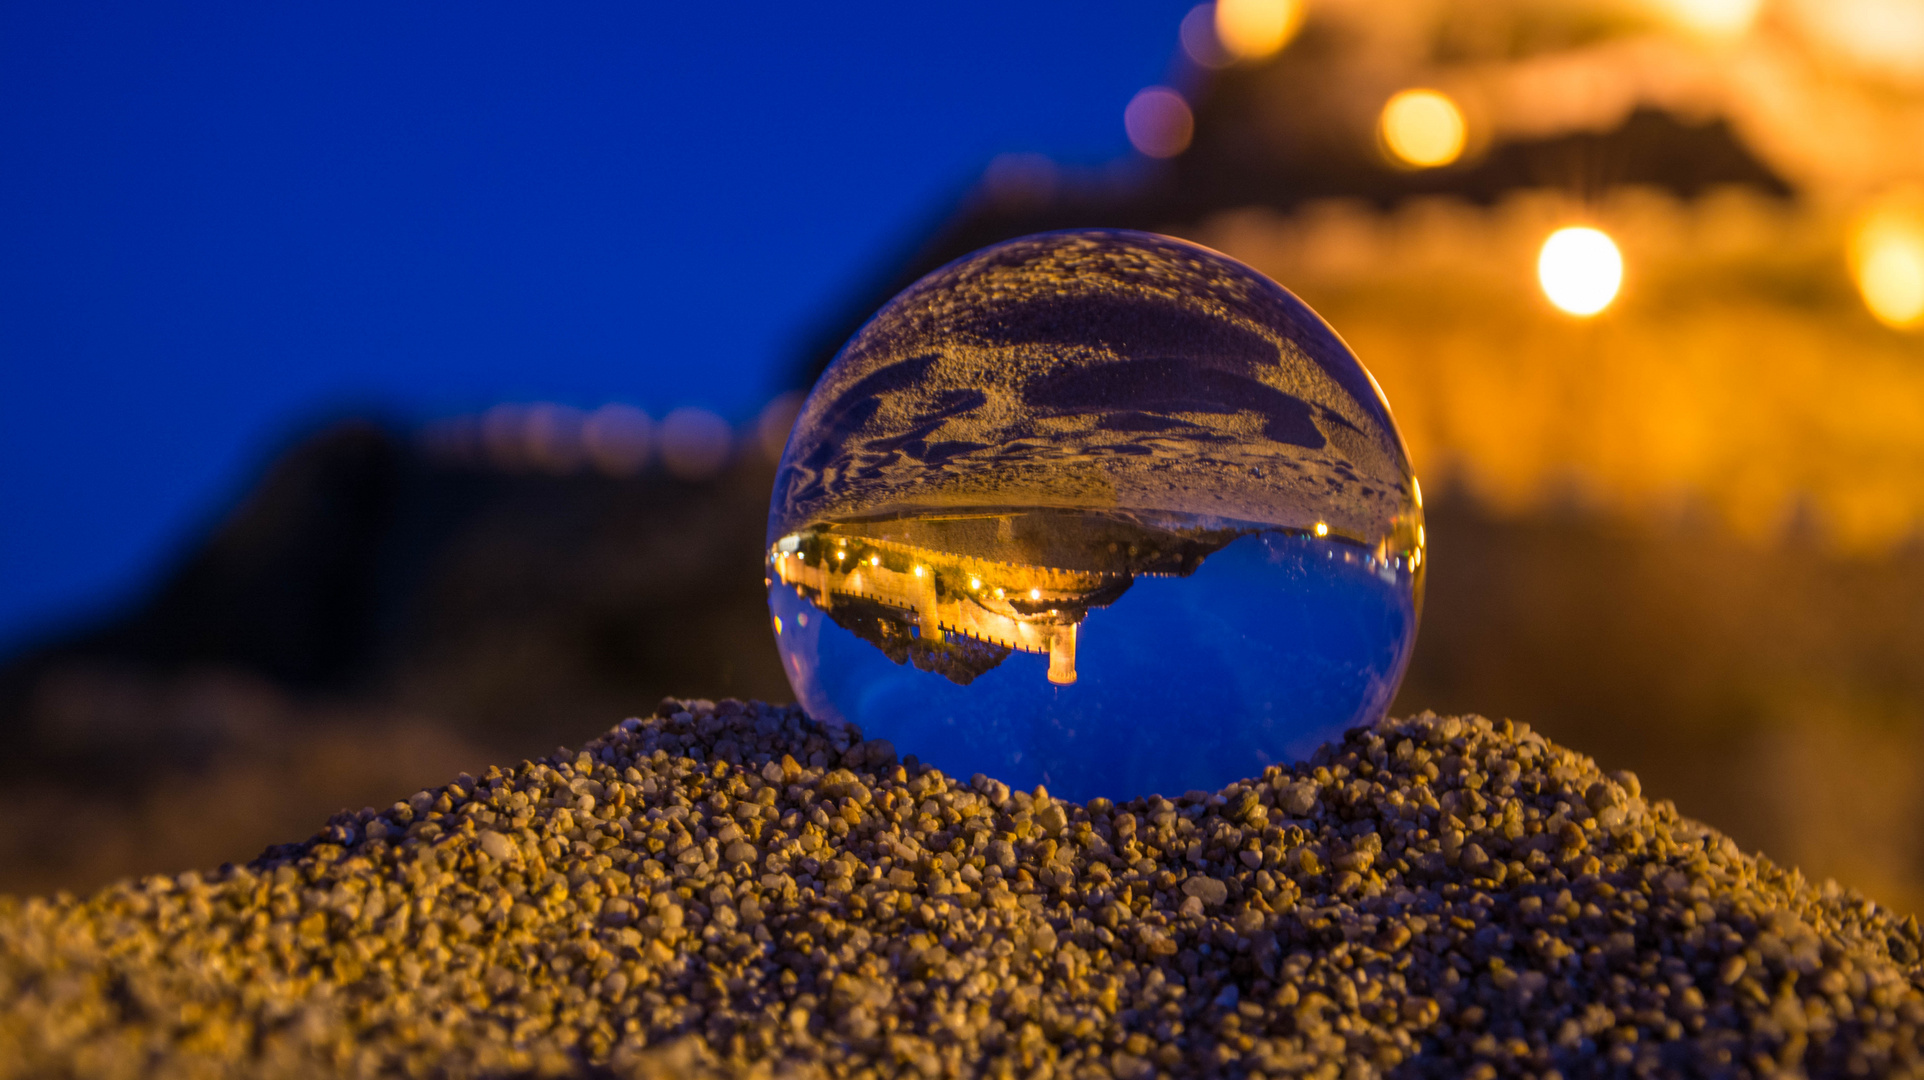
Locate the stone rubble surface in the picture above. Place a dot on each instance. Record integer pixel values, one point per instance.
(730, 890)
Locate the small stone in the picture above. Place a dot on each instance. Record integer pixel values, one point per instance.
(1629, 782)
(1207, 889)
(1052, 818)
(498, 847)
(1300, 798)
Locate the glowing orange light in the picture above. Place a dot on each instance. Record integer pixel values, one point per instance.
(1887, 260)
(1580, 270)
(1887, 35)
(1159, 122)
(1322, 529)
(1035, 594)
(1257, 29)
(1720, 18)
(1423, 128)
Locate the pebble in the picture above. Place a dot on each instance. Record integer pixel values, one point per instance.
(727, 889)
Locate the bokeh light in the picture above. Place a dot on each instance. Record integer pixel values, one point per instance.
(618, 438)
(1887, 261)
(1199, 40)
(1580, 269)
(1720, 18)
(551, 437)
(1423, 128)
(1256, 29)
(1159, 122)
(695, 443)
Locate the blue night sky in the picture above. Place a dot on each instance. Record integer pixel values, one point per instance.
(220, 223)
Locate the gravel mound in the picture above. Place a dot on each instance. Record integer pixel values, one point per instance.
(731, 890)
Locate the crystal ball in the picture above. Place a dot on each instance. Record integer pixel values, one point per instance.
(1098, 510)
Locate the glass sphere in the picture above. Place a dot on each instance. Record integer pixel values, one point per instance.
(1100, 510)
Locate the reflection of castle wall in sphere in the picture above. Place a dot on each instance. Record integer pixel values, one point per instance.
(947, 594)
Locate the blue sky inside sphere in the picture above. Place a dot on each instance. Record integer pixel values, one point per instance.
(222, 223)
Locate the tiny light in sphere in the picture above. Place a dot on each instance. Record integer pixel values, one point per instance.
(1580, 269)
(1159, 122)
(1256, 29)
(1423, 128)
(1887, 261)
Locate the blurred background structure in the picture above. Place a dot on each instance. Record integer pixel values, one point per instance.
(1642, 279)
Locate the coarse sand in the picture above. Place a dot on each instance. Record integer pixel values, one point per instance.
(731, 890)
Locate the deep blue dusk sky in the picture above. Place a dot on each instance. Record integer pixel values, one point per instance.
(220, 222)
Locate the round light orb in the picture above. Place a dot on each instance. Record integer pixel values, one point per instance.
(1580, 270)
(1887, 261)
(1256, 29)
(1200, 42)
(1159, 122)
(1423, 128)
(1100, 510)
(1891, 278)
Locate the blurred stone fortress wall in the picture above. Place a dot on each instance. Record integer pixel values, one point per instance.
(1738, 372)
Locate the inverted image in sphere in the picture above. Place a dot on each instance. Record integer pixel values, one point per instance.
(1103, 510)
